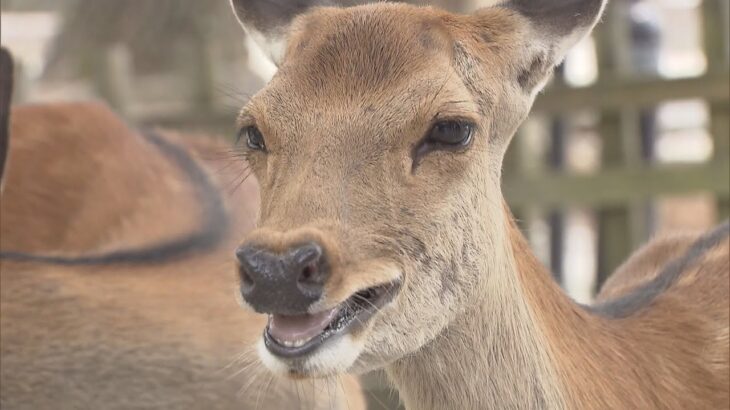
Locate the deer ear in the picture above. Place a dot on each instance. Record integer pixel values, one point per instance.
(554, 27)
(6, 91)
(268, 21)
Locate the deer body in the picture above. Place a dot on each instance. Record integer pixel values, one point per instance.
(669, 354)
(383, 242)
(96, 314)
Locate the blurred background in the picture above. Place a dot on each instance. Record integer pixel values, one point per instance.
(631, 139)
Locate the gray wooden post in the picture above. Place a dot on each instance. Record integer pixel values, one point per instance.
(556, 162)
(114, 77)
(614, 231)
(716, 49)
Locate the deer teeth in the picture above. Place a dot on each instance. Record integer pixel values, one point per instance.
(293, 343)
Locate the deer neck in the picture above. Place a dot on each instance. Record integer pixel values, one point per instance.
(497, 354)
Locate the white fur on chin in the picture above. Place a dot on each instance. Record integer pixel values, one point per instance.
(334, 357)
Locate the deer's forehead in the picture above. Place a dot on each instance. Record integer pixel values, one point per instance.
(351, 69)
(286, 107)
(369, 46)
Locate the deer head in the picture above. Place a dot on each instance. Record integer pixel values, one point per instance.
(378, 148)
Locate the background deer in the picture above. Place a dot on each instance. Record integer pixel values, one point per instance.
(383, 240)
(115, 288)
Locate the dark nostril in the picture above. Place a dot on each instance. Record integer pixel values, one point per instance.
(311, 266)
(247, 282)
(244, 268)
(306, 273)
(310, 275)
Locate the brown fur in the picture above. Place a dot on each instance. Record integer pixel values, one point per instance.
(477, 322)
(672, 354)
(120, 336)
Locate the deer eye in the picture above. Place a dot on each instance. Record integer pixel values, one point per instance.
(451, 133)
(254, 138)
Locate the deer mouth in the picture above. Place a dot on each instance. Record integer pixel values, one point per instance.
(296, 336)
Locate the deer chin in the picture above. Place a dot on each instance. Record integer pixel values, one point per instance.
(323, 343)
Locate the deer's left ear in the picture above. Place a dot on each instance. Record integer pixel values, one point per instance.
(268, 21)
(6, 93)
(552, 27)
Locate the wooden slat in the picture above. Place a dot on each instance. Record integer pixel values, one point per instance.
(615, 94)
(617, 186)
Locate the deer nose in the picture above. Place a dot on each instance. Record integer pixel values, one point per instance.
(284, 283)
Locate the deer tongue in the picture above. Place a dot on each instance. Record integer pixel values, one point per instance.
(300, 328)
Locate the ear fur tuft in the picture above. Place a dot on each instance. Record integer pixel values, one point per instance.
(268, 21)
(555, 26)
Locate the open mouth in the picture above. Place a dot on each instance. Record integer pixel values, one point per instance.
(296, 336)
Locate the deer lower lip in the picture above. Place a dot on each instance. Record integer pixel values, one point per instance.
(301, 340)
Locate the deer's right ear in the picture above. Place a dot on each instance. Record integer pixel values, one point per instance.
(6, 92)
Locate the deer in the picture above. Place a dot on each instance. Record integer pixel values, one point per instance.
(383, 240)
(115, 284)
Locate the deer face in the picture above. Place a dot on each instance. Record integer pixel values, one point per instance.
(378, 147)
